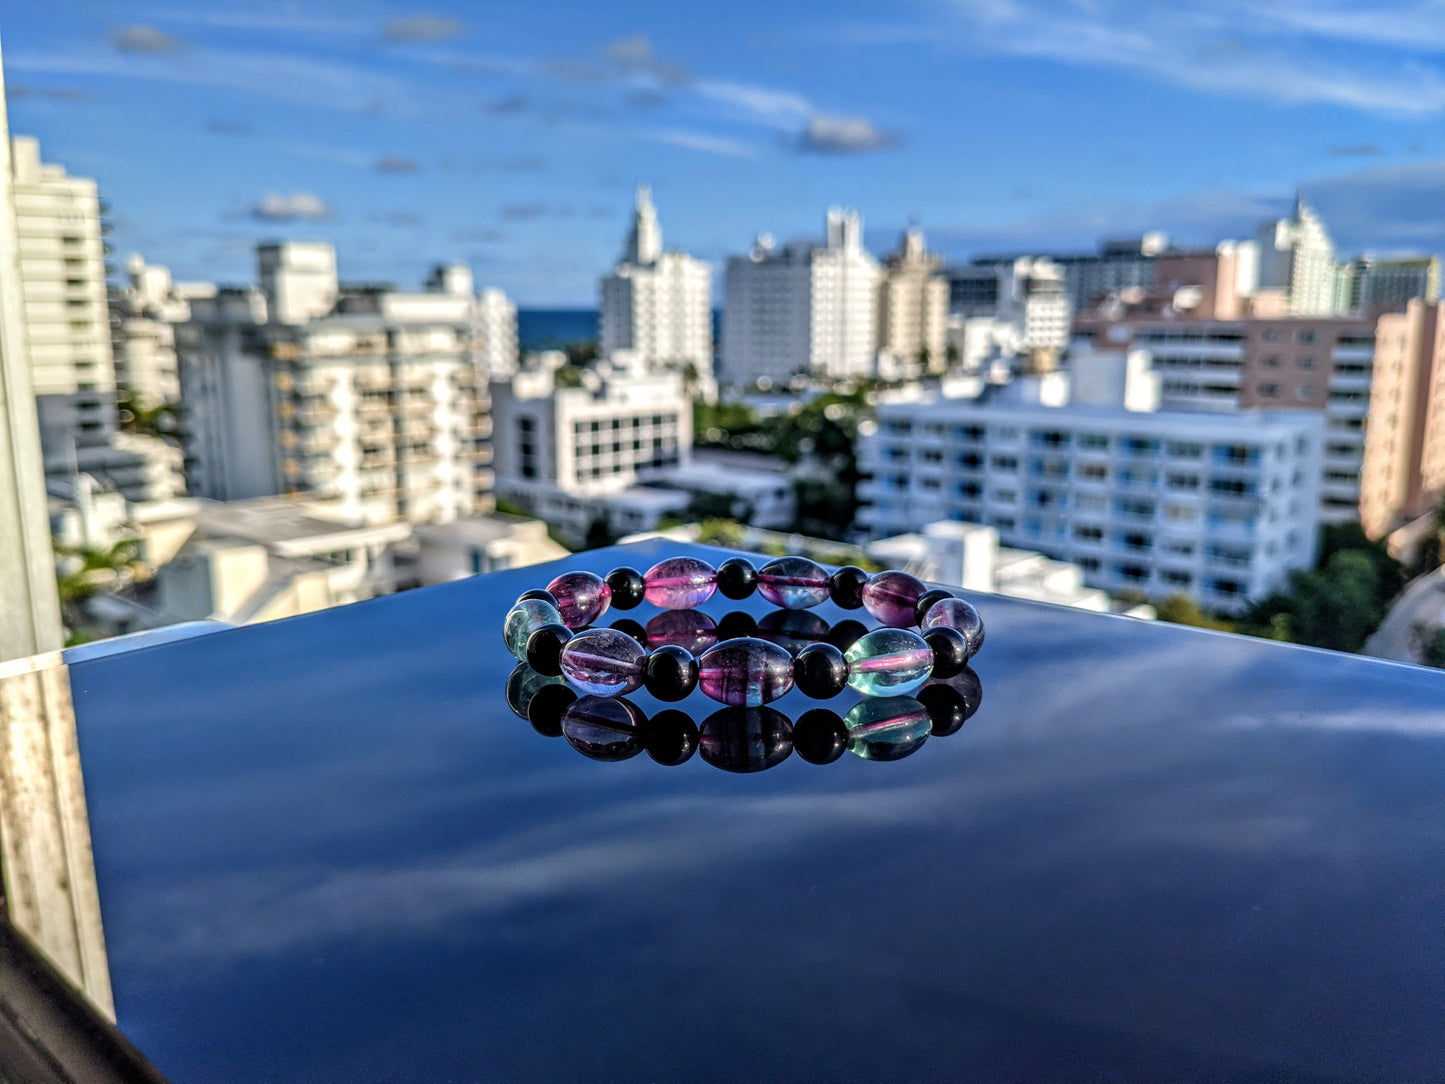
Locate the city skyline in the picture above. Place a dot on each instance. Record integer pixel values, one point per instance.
(409, 137)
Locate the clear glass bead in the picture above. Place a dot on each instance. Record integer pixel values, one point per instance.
(887, 728)
(525, 618)
(603, 662)
(957, 614)
(891, 597)
(603, 728)
(690, 630)
(582, 597)
(745, 673)
(795, 583)
(679, 583)
(888, 662)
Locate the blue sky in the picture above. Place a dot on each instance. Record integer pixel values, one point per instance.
(510, 135)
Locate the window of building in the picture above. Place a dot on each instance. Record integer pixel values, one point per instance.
(1089, 534)
(1305, 363)
(1269, 389)
(1093, 441)
(1273, 335)
(1005, 462)
(1088, 564)
(1272, 361)
(1182, 450)
(1176, 578)
(1093, 472)
(1303, 392)
(1304, 335)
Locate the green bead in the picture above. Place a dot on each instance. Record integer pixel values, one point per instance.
(525, 618)
(889, 728)
(888, 662)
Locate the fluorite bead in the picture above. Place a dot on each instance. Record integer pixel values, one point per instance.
(522, 684)
(957, 614)
(746, 739)
(745, 673)
(795, 583)
(887, 729)
(688, 629)
(891, 597)
(886, 662)
(525, 618)
(582, 597)
(603, 662)
(792, 630)
(679, 583)
(603, 728)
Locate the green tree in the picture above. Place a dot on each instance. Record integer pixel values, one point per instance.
(568, 376)
(1183, 610)
(581, 353)
(599, 534)
(952, 354)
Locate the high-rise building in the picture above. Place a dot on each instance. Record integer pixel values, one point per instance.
(28, 599)
(802, 310)
(1297, 257)
(913, 304)
(368, 398)
(1404, 460)
(1219, 507)
(1398, 282)
(1088, 277)
(144, 316)
(497, 321)
(657, 304)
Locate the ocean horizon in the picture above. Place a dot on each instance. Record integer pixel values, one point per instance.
(552, 329)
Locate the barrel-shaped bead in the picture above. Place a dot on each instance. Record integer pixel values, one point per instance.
(892, 596)
(746, 739)
(888, 662)
(525, 618)
(603, 662)
(582, 597)
(745, 673)
(691, 630)
(679, 583)
(603, 728)
(794, 583)
(887, 729)
(959, 615)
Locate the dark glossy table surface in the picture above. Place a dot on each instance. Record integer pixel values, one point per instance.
(328, 851)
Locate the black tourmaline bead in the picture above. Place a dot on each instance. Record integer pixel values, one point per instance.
(820, 671)
(670, 672)
(946, 707)
(544, 649)
(544, 596)
(845, 633)
(670, 737)
(736, 578)
(950, 651)
(925, 603)
(627, 587)
(546, 708)
(736, 625)
(632, 628)
(819, 736)
(846, 586)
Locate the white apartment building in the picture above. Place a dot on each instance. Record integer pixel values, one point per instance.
(497, 323)
(1021, 305)
(657, 304)
(1217, 507)
(369, 399)
(913, 304)
(1297, 257)
(802, 310)
(144, 316)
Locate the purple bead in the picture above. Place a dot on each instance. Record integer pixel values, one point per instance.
(679, 583)
(745, 673)
(602, 728)
(582, 597)
(954, 613)
(892, 596)
(746, 739)
(795, 583)
(603, 662)
(687, 629)
(792, 630)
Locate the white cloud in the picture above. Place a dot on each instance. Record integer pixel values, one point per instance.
(697, 141)
(298, 206)
(414, 29)
(139, 38)
(843, 135)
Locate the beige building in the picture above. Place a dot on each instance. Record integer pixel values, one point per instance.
(913, 304)
(144, 315)
(1404, 469)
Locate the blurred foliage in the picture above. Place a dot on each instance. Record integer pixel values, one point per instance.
(136, 415)
(568, 376)
(581, 353)
(1183, 610)
(1430, 643)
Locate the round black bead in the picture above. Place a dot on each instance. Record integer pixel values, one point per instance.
(736, 578)
(544, 596)
(736, 625)
(545, 710)
(627, 587)
(846, 586)
(670, 737)
(948, 710)
(632, 628)
(544, 649)
(925, 603)
(819, 736)
(820, 671)
(670, 672)
(845, 633)
(950, 651)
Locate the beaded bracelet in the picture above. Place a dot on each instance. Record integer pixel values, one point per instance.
(739, 739)
(745, 672)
